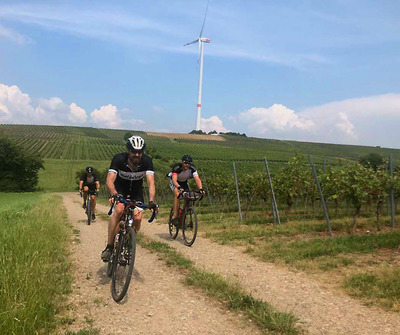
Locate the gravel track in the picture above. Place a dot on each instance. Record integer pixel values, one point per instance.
(157, 301)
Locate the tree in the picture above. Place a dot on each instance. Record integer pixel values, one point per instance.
(373, 160)
(19, 170)
(198, 132)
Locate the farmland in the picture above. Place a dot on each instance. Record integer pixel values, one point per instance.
(361, 257)
(81, 143)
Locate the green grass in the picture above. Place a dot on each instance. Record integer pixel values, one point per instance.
(230, 294)
(60, 175)
(33, 262)
(381, 286)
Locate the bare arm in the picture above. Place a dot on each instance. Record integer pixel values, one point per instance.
(152, 186)
(80, 184)
(175, 180)
(110, 183)
(97, 184)
(198, 182)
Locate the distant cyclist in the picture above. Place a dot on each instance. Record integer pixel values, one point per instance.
(125, 177)
(178, 177)
(89, 183)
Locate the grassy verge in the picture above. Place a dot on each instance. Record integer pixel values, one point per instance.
(230, 294)
(381, 286)
(33, 263)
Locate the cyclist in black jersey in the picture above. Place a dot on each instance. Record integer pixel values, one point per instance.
(178, 177)
(125, 177)
(89, 182)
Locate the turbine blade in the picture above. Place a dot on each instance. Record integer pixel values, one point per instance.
(191, 42)
(204, 21)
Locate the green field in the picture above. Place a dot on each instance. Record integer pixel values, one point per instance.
(66, 150)
(92, 144)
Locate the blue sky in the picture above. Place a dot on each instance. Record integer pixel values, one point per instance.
(322, 71)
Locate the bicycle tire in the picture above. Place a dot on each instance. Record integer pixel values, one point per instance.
(189, 226)
(110, 266)
(173, 231)
(123, 264)
(89, 210)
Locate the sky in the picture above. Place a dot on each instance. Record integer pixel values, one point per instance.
(306, 70)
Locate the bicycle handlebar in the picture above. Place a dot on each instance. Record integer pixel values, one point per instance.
(189, 195)
(135, 203)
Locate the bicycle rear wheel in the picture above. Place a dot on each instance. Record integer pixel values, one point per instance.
(123, 264)
(189, 227)
(89, 210)
(173, 230)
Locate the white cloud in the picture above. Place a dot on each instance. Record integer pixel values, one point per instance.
(346, 126)
(13, 35)
(277, 118)
(213, 123)
(107, 117)
(15, 106)
(18, 107)
(369, 120)
(77, 114)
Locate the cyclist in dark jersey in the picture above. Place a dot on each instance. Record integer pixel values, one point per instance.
(125, 177)
(178, 177)
(89, 182)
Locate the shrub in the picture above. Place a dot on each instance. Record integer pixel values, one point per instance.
(19, 170)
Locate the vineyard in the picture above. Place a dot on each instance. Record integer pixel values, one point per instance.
(350, 189)
(356, 244)
(82, 143)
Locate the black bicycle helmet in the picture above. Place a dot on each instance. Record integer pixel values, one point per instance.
(89, 169)
(187, 159)
(135, 143)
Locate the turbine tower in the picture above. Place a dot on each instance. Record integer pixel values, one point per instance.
(201, 40)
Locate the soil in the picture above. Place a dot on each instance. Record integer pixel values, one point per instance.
(159, 303)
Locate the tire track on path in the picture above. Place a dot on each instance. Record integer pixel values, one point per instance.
(157, 301)
(320, 311)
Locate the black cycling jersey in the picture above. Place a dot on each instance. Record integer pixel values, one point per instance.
(89, 181)
(130, 182)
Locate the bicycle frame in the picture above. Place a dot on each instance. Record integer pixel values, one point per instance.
(120, 267)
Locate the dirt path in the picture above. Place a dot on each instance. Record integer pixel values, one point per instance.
(320, 311)
(159, 304)
(157, 301)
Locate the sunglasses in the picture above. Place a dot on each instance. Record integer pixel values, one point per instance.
(136, 151)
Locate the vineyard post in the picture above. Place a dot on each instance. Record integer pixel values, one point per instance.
(321, 195)
(274, 205)
(208, 192)
(237, 191)
(391, 188)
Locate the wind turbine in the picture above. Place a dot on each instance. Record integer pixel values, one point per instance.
(200, 40)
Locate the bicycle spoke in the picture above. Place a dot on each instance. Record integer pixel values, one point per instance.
(123, 264)
(190, 226)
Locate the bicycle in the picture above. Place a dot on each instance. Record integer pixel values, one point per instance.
(89, 212)
(187, 218)
(120, 267)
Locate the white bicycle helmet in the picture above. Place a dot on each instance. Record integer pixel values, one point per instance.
(135, 143)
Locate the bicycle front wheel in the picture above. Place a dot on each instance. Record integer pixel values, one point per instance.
(189, 227)
(123, 263)
(89, 210)
(173, 230)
